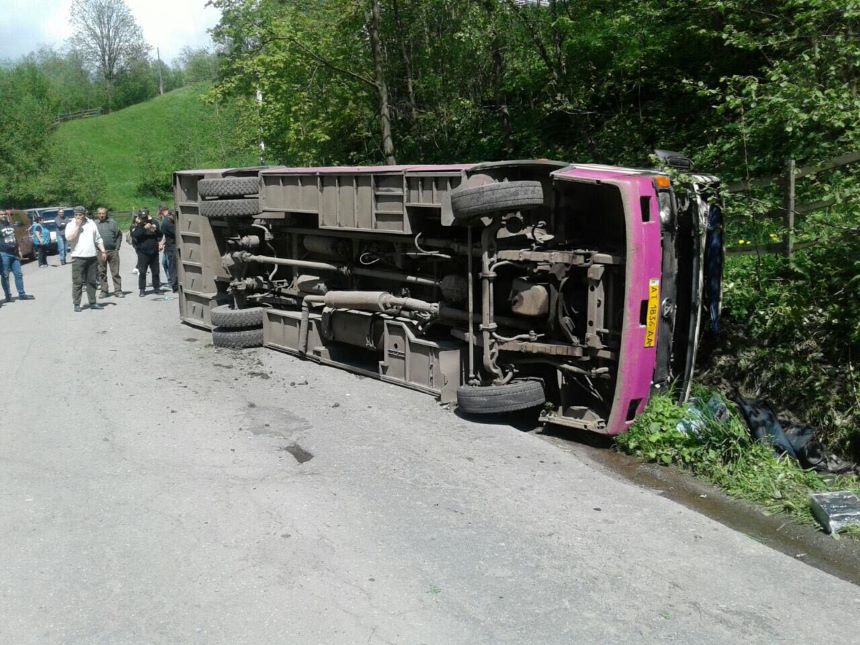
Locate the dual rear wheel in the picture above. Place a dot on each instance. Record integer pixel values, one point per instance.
(229, 196)
(237, 328)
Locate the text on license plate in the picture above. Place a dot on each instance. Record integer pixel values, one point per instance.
(653, 311)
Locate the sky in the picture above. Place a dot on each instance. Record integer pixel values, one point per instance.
(170, 25)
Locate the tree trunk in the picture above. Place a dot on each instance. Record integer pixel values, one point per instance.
(502, 102)
(109, 94)
(407, 62)
(558, 41)
(382, 88)
(496, 44)
(533, 30)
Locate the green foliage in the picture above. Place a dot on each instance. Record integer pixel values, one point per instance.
(25, 124)
(655, 436)
(724, 453)
(136, 83)
(741, 89)
(195, 66)
(70, 87)
(38, 166)
(310, 113)
(793, 336)
(155, 177)
(69, 177)
(798, 98)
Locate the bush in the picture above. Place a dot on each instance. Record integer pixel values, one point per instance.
(69, 176)
(155, 177)
(792, 337)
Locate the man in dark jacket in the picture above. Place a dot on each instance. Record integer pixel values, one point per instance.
(9, 260)
(147, 240)
(112, 238)
(168, 260)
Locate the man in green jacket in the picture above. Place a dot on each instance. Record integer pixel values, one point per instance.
(112, 238)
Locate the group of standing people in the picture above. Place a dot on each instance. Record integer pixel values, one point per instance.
(93, 247)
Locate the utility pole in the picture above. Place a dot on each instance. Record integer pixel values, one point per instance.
(788, 202)
(259, 116)
(160, 80)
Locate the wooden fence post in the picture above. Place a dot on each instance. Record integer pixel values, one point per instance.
(788, 206)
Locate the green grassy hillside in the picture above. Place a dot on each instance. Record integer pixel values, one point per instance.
(136, 149)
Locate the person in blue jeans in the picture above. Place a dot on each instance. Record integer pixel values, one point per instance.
(9, 258)
(61, 234)
(168, 246)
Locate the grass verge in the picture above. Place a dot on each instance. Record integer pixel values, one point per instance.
(136, 149)
(722, 452)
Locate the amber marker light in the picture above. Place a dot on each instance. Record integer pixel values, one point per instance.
(663, 181)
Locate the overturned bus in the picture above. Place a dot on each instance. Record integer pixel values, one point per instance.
(578, 290)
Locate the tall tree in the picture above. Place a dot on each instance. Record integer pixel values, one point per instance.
(381, 85)
(107, 37)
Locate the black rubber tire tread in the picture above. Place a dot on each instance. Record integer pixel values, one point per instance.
(228, 187)
(493, 399)
(237, 338)
(230, 207)
(502, 197)
(228, 318)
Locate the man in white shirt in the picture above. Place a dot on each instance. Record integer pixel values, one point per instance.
(86, 245)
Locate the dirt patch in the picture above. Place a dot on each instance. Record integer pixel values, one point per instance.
(272, 422)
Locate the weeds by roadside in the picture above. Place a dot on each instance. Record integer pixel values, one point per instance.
(722, 451)
(791, 334)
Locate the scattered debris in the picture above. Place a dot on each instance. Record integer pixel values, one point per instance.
(695, 422)
(796, 441)
(298, 452)
(836, 511)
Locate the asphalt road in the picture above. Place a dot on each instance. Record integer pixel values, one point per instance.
(154, 489)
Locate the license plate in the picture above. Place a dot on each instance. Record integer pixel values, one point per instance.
(653, 312)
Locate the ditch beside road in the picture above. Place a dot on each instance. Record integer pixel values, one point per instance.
(156, 489)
